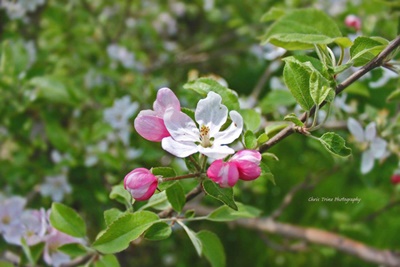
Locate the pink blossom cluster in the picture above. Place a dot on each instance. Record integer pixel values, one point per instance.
(182, 137)
(33, 226)
(352, 21)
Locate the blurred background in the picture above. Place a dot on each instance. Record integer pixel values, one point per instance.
(74, 74)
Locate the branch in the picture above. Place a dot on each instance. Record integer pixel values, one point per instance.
(316, 237)
(378, 61)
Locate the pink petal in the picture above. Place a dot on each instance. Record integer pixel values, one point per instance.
(165, 99)
(150, 126)
(248, 170)
(225, 174)
(141, 183)
(249, 155)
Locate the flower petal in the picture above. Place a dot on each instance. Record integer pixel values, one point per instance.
(225, 174)
(165, 99)
(367, 161)
(355, 129)
(370, 131)
(181, 127)
(216, 151)
(211, 113)
(378, 147)
(247, 154)
(179, 149)
(150, 126)
(232, 132)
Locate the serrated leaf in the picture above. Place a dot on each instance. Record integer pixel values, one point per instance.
(124, 230)
(293, 118)
(303, 28)
(163, 171)
(394, 96)
(250, 140)
(319, 88)
(251, 119)
(67, 220)
(158, 231)
(119, 194)
(192, 236)
(73, 249)
(225, 195)
(335, 144)
(296, 75)
(111, 215)
(107, 261)
(213, 249)
(176, 196)
(205, 85)
(224, 213)
(365, 49)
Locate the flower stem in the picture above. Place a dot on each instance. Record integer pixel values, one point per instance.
(191, 175)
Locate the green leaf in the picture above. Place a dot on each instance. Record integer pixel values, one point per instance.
(224, 214)
(6, 264)
(73, 249)
(225, 195)
(365, 49)
(56, 133)
(302, 29)
(163, 171)
(119, 194)
(67, 220)
(122, 231)
(14, 58)
(296, 75)
(213, 249)
(335, 144)
(176, 196)
(251, 118)
(293, 118)
(319, 88)
(272, 128)
(51, 88)
(193, 237)
(266, 173)
(192, 163)
(111, 215)
(262, 138)
(157, 201)
(107, 261)
(158, 231)
(394, 96)
(275, 99)
(205, 85)
(250, 140)
(273, 13)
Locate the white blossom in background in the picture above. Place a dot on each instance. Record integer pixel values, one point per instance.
(166, 24)
(18, 9)
(133, 153)
(374, 146)
(177, 8)
(58, 157)
(340, 102)
(55, 187)
(267, 51)
(91, 157)
(93, 79)
(122, 55)
(11, 210)
(208, 5)
(118, 117)
(386, 76)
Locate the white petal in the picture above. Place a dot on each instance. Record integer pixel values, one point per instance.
(216, 151)
(179, 149)
(367, 161)
(370, 131)
(355, 129)
(210, 112)
(232, 132)
(378, 147)
(181, 127)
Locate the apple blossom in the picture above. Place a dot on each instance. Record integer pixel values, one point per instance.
(248, 164)
(150, 123)
(205, 137)
(141, 183)
(395, 179)
(353, 21)
(243, 165)
(375, 146)
(225, 174)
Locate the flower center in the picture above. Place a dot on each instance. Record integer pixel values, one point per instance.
(204, 137)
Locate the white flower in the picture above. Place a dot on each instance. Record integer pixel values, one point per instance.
(205, 137)
(55, 187)
(375, 147)
(340, 102)
(122, 55)
(10, 212)
(386, 76)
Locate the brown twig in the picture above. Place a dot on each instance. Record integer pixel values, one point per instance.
(378, 61)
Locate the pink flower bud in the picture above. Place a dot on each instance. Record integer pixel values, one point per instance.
(141, 183)
(247, 162)
(225, 174)
(395, 179)
(150, 123)
(353, 21)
